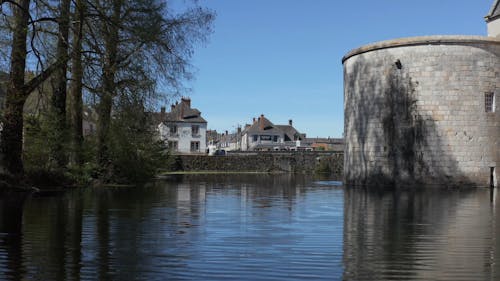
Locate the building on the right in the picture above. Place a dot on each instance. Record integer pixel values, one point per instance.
(493, 20)
(424, 110)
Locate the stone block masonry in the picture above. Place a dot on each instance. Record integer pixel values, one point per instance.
(296, 162)
(416, 113)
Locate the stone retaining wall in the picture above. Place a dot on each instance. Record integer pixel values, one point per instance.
(297, 162)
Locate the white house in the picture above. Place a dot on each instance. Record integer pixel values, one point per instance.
(264, 135)
(493, 20)
(183, 128)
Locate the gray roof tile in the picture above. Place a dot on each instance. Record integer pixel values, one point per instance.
(181, 112)
(494, 11)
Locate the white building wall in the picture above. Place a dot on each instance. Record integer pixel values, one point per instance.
(494, 28)
(244, 142)
(184, 136)
(248, 143)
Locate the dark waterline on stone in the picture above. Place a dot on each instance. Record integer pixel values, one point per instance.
(251, 227)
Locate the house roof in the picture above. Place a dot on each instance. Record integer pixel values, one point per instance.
(262, 125)
(494, 11)
(290, 131)
(181, 112)
(229, 138)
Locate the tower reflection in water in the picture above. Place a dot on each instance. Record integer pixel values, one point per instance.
(426, 234)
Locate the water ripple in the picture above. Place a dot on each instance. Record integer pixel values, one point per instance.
(251, 228)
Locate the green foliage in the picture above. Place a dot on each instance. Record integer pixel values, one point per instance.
(323, 167)
(88, 171)
(36, 151)
(39, 137)
(130, 50)
(136, 154)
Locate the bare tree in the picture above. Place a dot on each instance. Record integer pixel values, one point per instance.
(76, 86)
(59, 86)
(121, 52)
(144, 44)
(18, 88)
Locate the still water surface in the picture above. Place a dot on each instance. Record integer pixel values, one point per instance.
(251, 227)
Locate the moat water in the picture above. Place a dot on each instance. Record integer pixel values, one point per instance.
(251, 227)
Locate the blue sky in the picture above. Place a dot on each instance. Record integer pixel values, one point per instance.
(282, 58)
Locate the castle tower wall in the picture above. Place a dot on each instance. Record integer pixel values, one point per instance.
(415, 112)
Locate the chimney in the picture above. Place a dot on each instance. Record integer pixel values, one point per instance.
(290, 122)
(253, 120)
(162, 113)
(261, 122)
(226, 133)
(186, 101)
(172, 107)
(239, 130)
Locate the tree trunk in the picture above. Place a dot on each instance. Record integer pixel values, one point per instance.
(12, 132)
(59, 83)
(76, 103)
(109, 87)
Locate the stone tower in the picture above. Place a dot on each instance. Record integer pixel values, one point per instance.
(424, 110)
(493, 20)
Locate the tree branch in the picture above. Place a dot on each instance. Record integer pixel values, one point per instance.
(31, 85)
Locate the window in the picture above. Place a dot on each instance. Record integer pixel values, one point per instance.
(265, 138)
(195, 146)
(489, 102)
(173, 129)
(195, 130)
(275, 138)
(172, 145)
(255, 138)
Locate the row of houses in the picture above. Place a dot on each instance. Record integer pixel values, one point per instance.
(185, 131)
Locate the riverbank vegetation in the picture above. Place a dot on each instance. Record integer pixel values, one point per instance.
(103, 64)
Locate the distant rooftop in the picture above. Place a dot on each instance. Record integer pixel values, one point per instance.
(181, 112)
(494, 12)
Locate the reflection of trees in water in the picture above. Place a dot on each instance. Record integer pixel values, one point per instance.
(136, 227)
(258, 186)
(419, 234)
(129, 233)
(11, 237)
(44, 238)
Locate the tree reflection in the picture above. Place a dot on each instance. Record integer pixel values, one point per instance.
(11, 236)
(52, 230)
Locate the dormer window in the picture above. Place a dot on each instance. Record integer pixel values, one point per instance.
(173, 129)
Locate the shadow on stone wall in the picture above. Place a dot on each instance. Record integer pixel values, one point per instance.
(386, 123)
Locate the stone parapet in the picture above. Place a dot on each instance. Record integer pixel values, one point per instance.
(422, 40)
